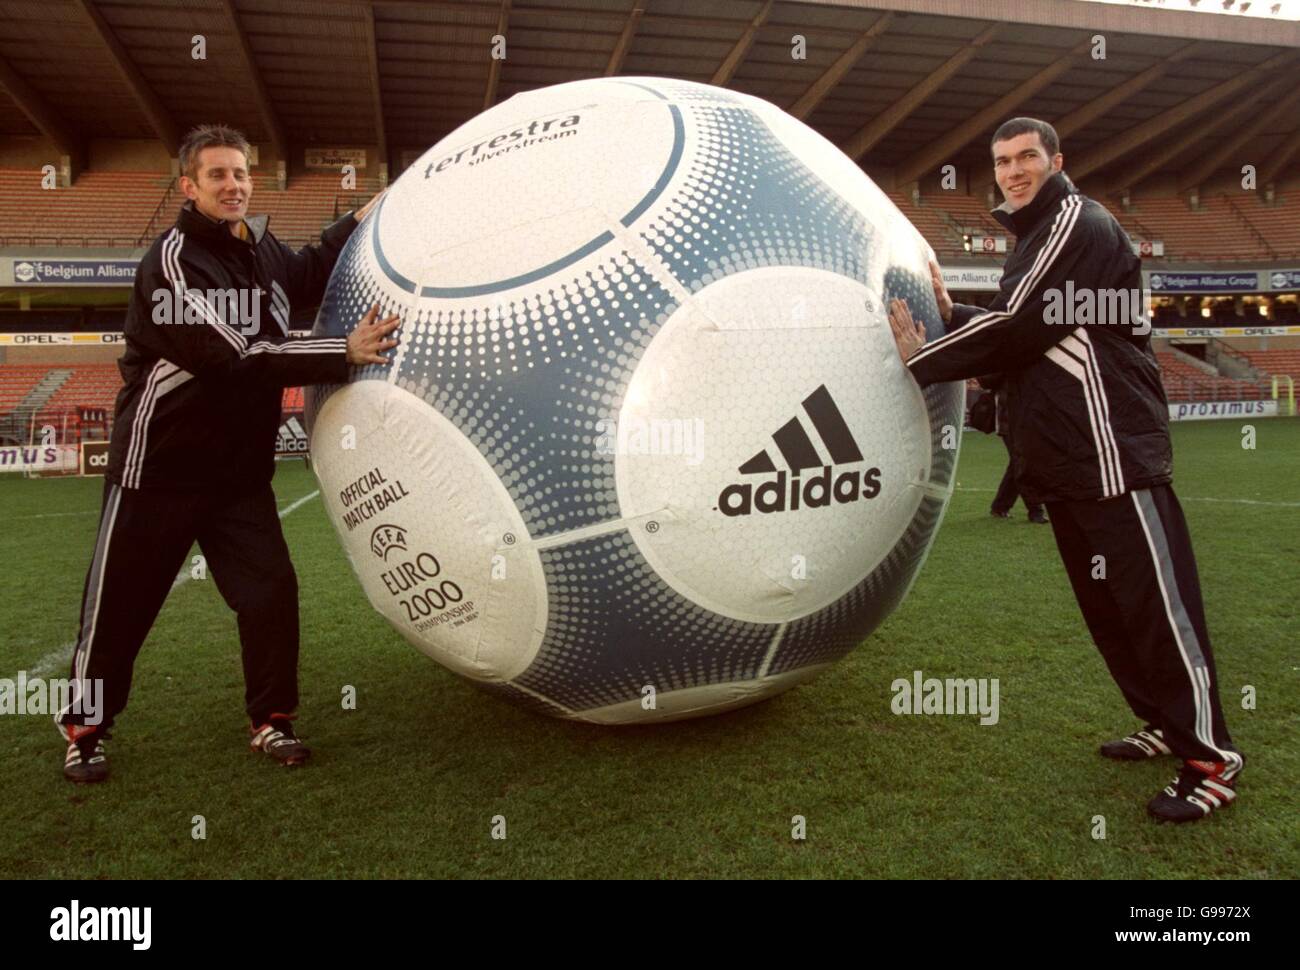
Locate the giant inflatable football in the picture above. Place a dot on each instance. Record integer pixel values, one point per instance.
(646, 450)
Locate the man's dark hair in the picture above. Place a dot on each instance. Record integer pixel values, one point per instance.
(1024, 126)
(209, 136)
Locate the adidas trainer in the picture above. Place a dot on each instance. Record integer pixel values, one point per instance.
(1198, 790)
(277, 739)
(86, 762)
(1140, 746)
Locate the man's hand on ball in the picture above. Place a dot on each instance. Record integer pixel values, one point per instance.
(365, 209)
(940, 292)
(370, 339)
(908, 334)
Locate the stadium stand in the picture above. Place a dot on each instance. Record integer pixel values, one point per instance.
(1269, 362)
(310, 203)
(18, 382)
(1244, 227)
(932, 223)
(1185, 381)
(126, 209)
(99, 209)
(87, 385)
(969, 214)
(55, 395)
(1240, 228)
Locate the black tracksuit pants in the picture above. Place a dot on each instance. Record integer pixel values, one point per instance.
(1131, 564)
(144, 539)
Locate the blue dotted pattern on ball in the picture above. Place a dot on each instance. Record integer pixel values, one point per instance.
(831, 633)
(530, 383)
(615, 626)
(747, 202)
(352, 290)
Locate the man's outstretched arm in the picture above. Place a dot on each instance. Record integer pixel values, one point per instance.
(1006, 339)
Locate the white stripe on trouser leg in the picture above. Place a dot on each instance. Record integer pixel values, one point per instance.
(1180, 625)
(94, 597)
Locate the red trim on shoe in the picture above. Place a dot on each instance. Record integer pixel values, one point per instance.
(254, 728)
(78, 731)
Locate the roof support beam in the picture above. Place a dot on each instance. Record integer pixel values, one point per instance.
(619, 54)
(38, 111)
(946, 146)
(494, 64)
(153, 109)
(868, 136)
(832, 76)
(1129, 175)
(1147, 131)
(1085, 114)
(270, 121)
(722, 76)
(376, 95)
(1281, 158)
(1287, 107)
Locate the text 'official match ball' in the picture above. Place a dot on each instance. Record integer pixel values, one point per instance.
(646, 449)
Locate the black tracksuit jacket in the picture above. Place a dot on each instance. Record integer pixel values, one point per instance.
(208, 352)
(1087, 414)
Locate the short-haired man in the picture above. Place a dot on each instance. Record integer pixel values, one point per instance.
(1089, 436)
(208, 353)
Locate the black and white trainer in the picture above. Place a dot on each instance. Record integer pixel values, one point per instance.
(1149, 743)
(1200, 788)
(277, 739)
(86, 762)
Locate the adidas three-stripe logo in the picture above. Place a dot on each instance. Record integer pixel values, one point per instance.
(788, 492)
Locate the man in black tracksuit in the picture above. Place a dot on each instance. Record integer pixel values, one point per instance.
(1089, 438)
(208, 352)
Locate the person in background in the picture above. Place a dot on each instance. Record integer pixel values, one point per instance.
(1007, 492)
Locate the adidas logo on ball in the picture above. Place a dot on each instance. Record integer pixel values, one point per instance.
(790, 493)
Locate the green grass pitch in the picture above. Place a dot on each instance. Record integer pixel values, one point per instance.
(408, 783)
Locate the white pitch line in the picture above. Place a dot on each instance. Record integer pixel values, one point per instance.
(57, 515)
(61, 657)
(1243, 501)
(1183, 498)
(302, 501)
(52, 661)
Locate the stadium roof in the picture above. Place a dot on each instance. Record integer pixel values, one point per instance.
(904, 86)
